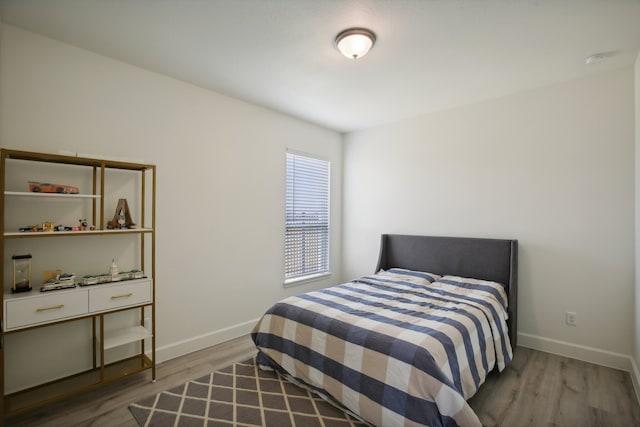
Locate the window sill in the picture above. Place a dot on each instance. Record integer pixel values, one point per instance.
(305, 279)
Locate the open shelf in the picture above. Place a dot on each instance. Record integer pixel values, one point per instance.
(53, 195)
(125, 336)
(27, 234)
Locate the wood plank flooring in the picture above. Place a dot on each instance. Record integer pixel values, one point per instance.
(537, 389)
(108, 406)
(544, 390)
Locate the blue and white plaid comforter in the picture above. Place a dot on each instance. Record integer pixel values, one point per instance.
(398, 348)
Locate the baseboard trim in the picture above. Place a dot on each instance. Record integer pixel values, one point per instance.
(200, 342)
(579, 352)
(635, 378)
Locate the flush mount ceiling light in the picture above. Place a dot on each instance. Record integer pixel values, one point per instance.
(354, 43)
(599, 57)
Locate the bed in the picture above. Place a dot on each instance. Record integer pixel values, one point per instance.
(409, 344)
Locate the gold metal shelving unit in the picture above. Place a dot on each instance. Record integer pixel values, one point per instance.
(101, 373)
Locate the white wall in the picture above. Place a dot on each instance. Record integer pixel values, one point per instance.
(220, 163)
(553, 168)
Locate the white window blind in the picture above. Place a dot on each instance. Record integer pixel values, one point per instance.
(307, 217)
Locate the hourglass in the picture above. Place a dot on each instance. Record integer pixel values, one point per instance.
(21, 273)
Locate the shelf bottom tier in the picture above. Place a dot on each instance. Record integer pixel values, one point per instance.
(43, 394)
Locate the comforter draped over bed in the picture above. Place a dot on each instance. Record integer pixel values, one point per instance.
(397, 348)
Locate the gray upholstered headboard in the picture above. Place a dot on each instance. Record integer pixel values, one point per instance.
(487, 259)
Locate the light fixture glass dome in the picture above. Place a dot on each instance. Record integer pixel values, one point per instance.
(354, 43)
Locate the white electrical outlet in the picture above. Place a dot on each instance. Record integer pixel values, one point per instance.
(572, 318)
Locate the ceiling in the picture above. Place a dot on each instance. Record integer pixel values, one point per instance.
(430, 55)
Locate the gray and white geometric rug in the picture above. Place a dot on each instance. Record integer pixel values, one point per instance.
(240, 395)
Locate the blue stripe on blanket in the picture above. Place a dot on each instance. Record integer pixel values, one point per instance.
(379, 342)
(424, 292)
(428, 302)
(432, 292)
(421, 411)
(486, 288)
(464, 332)
(496, 317)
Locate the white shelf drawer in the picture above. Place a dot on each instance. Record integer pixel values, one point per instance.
(119, 295)
(36, 310)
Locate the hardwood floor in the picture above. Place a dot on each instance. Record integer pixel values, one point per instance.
(537, 389)
(108, 406)
(541, 389)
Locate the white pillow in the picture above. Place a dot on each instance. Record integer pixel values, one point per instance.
(419, 277)
(487, 287)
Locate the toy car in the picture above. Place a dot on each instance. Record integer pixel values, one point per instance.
(41, 187)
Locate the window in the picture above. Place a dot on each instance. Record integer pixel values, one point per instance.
(307, 217)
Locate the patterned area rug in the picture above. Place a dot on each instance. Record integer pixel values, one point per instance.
(240, 395)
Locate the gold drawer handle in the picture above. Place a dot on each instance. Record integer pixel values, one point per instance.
(122, 295)
(53, 307)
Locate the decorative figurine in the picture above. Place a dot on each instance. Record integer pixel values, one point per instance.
(98, 279)
(113, 269)
(56, 279)
(122, 217)
(21, 273)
